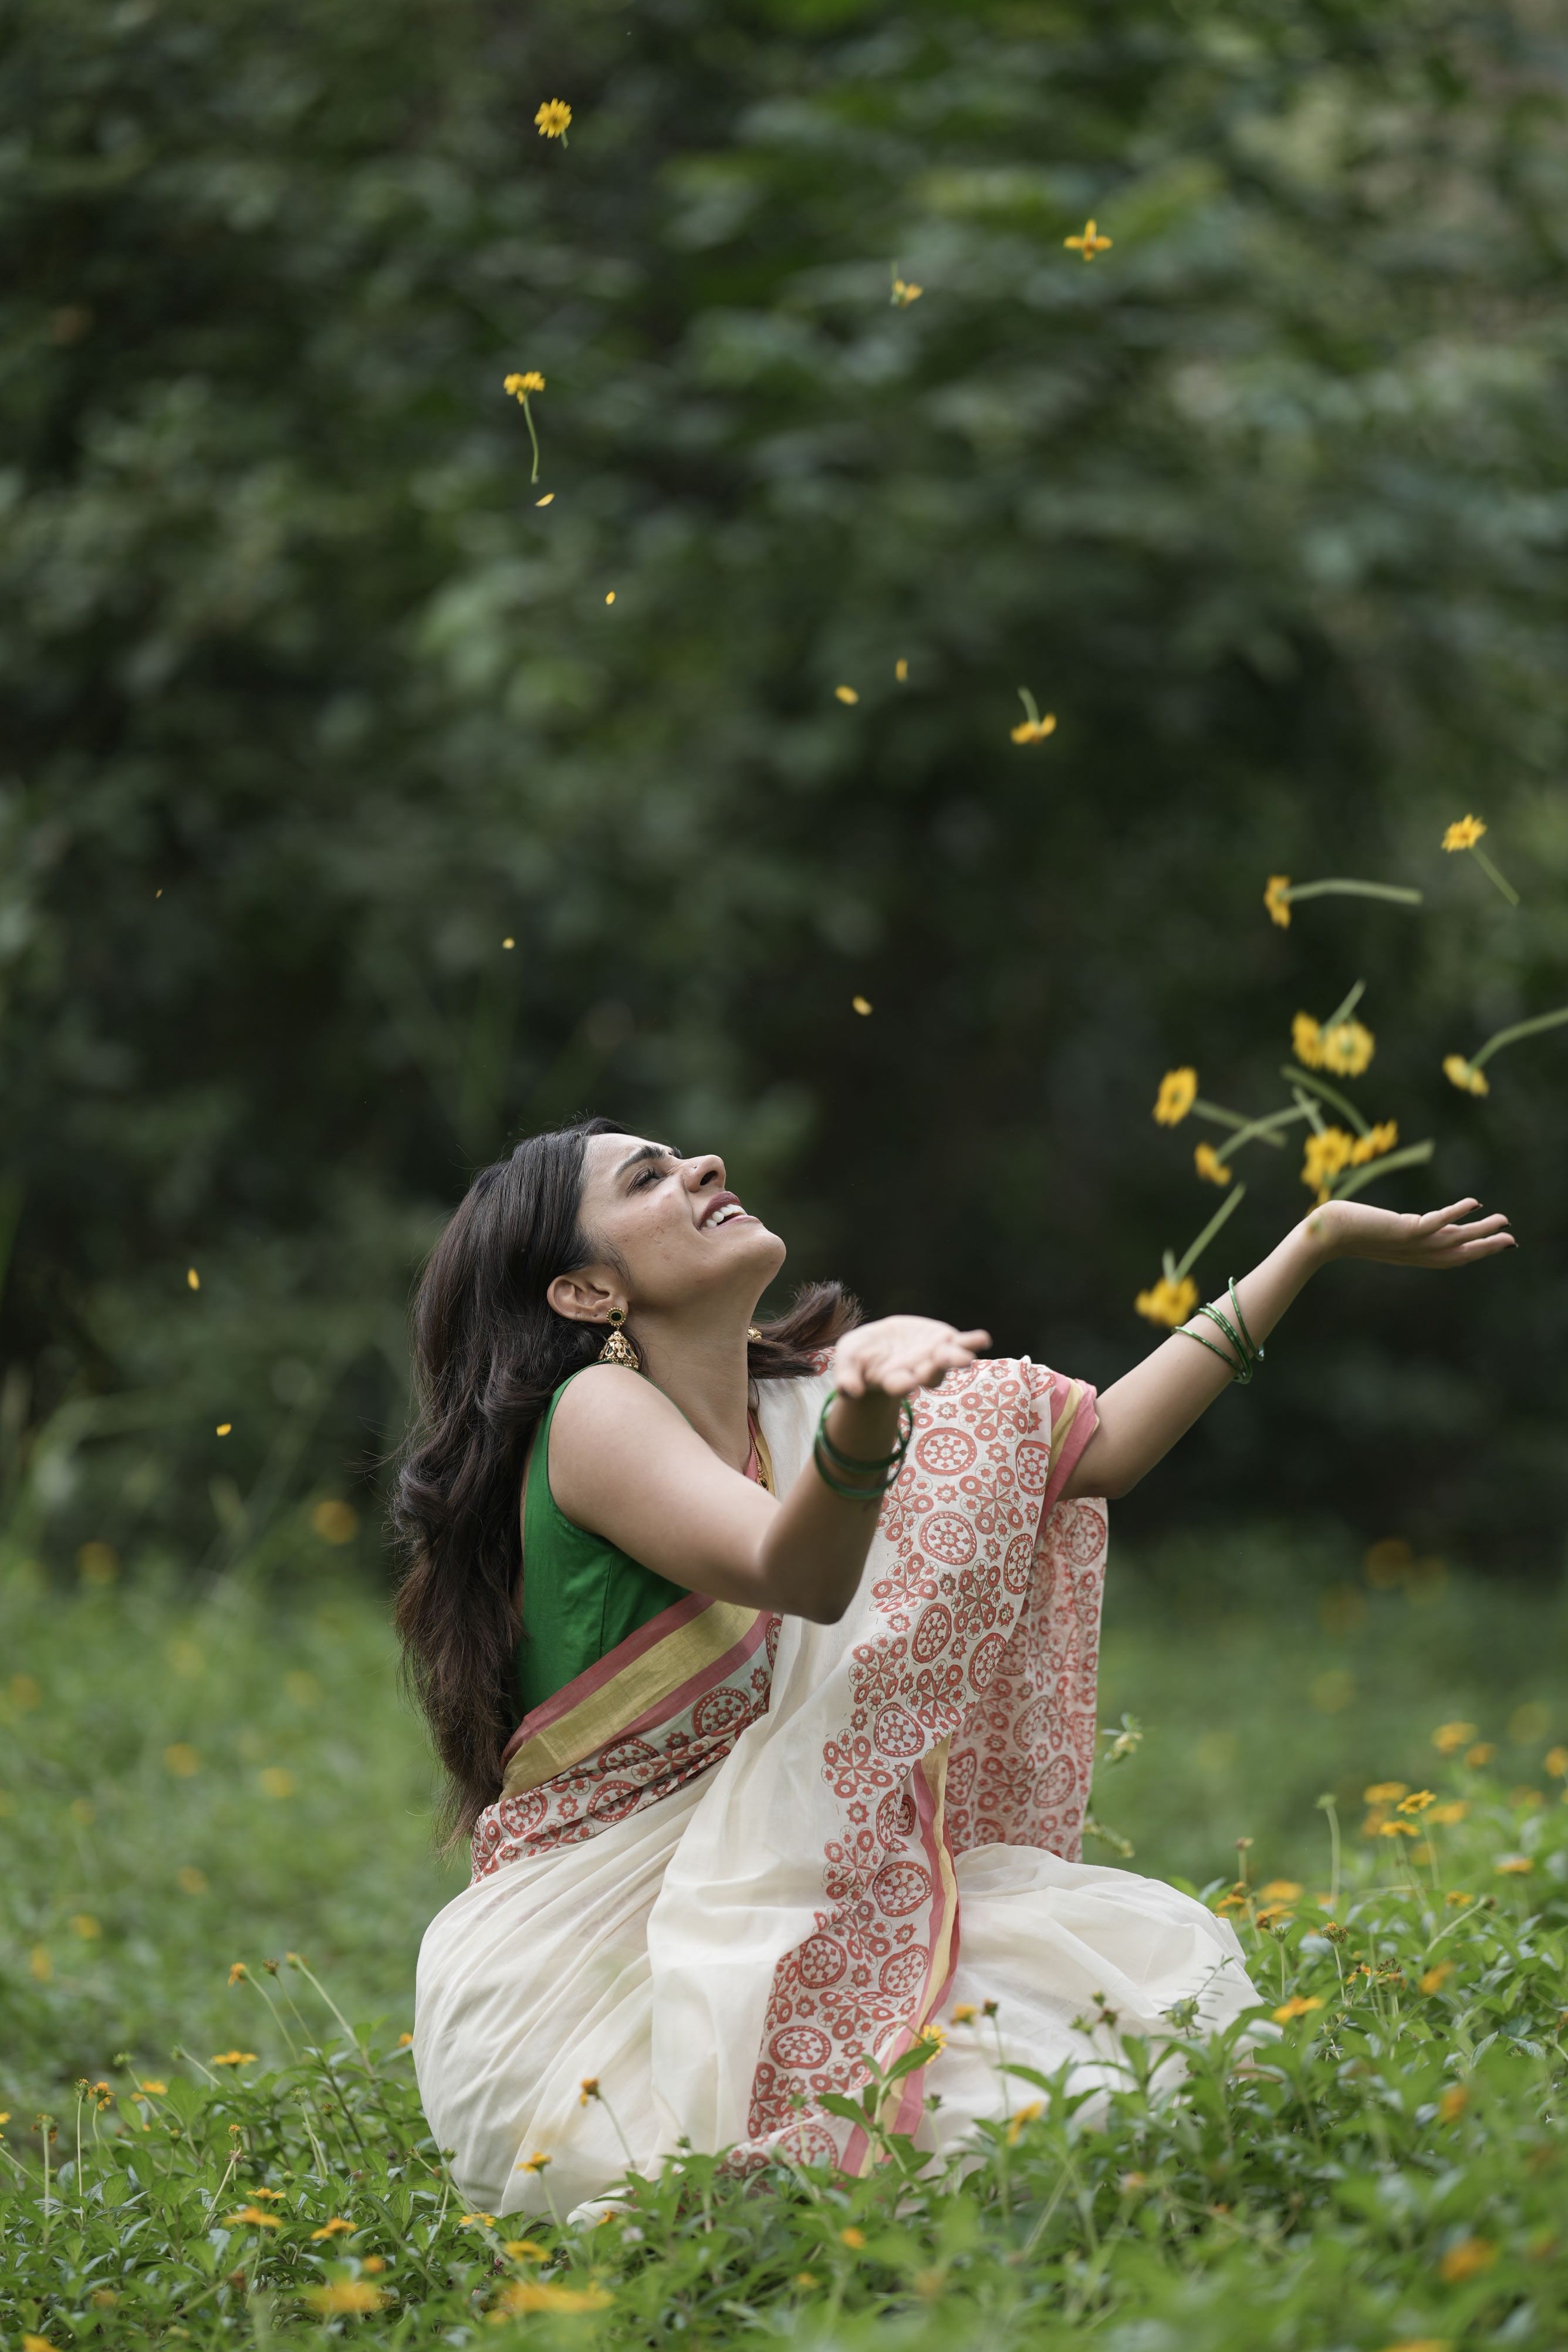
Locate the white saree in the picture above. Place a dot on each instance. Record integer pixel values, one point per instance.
(747, 1851)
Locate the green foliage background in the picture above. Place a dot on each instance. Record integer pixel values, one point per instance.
(308, 703)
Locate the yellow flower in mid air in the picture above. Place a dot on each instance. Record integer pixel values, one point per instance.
(554, 120)
(1417, 1801)
(1307, 1040)
(1035, 731)
(965, 2013)
(1277, 898)
(1091, 243)
(1348, 1047)
(1210, 1166)
(531, 381)
(1464, 833)
(1381, 1139)
(904, 293)
(1326, 1156)
(846, 694)
(1178, 1093)
(1168, 1302)
(1465, 1075)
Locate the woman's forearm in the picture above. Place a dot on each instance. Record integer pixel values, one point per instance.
(1143, 1414)
(814, 1552)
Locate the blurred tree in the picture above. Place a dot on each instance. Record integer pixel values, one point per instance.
(313, 699)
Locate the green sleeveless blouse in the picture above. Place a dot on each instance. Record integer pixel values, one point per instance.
(581, 1594)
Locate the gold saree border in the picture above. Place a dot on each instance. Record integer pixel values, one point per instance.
(607, 1713)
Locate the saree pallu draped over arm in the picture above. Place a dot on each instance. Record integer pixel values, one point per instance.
(745, 1854)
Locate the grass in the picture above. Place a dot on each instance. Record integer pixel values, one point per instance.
(188, 1783)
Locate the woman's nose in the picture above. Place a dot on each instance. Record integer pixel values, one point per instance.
(709, 1170)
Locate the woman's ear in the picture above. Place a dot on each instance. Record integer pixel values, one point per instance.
(581, 1299)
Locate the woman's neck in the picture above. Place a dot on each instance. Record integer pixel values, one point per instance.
(705, 1374)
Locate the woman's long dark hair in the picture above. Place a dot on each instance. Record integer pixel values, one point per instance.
(488, 1353)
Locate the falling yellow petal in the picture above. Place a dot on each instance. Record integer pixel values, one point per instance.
(611, 597)
(902, 672)
(546, 499)
(224, 1427)
(508, 943)
(861, 1004)
(846, 694)
(193, 1279)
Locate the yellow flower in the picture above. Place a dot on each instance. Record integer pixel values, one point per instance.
(334, 1520)
(520, 384)
(804, 2278)
(474, 2220)
(152, 2090)
(1025, 2114)
(1298, 2005)
(1386, 1792)
(853, 2239)
(1437, 1978)
(84, 1924)
(554, 120)
(273, 2196)
(1481, 1753)
(904, 294)
(1277, 898)
(331, 2229)
(1397, 1829)
(1465, 1075)
(1307, 1041)
(234, 2058)
(846, 694)
(1325, 1156)
(37, 2344)
(1464, 833)
(589, 2089)
(1089, 243)
(1035, 731)
(1168, 1302)
(1464, 2261)
(934, 2039)
(1445, 1816)
(1556, 1762)
(534, 2163)
(1280, 1890)
(373, 2263)
(965, 2013)
(181, 1758)
(1210, 1166)
(1455, 1896)
(543, 2294)
(1348, 1047)
(345, 2295)
(1372, 1147)
(516, 2249)
(1416, 1801)
(1513, 1865)
(256, 2217)
(1453, 2102)
(1451, 1735)
(406, 2041)
(237, 1970)
(1178, 1092)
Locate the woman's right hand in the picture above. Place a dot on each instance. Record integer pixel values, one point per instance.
(899, 1353)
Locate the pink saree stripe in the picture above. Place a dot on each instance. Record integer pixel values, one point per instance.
(719, 1670)
(673, 1620)
(1084, 1423)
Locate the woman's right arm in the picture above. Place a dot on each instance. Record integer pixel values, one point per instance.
(625, 1464)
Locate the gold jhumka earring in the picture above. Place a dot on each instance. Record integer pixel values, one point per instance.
(617, 1348)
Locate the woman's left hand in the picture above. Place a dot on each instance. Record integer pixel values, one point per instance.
(901, 1352)
(1438, 1240)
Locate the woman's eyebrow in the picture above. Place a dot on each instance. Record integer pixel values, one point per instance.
(648, 1151)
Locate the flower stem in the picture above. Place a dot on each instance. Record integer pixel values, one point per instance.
(1520, 1029)
(1348, 1007)
(1030, 711)
(1264, 1130)
(1413, 1155)
(528, 419)
(1232, 1201)
(1392, 890)
(1248, 1127)
(1327, 1094)
(1489, 870)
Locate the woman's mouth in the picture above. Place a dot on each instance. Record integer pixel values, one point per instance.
(725, 1213)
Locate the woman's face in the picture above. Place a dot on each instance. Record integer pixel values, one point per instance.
(675, 1226)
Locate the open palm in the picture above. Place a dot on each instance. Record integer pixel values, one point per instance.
(1439, 1240)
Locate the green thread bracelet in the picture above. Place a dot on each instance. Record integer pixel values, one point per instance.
(1247, 1356)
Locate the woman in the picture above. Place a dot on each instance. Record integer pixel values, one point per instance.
(767, 1697)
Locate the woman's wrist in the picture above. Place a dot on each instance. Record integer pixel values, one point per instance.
(865, 1426)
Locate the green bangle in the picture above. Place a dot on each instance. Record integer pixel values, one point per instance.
(1235, 1309)
(850, 1493)
(842, 1461)
(1241, 1368)
(1182, 1332)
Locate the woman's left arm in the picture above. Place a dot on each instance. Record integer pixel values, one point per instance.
(1144, 1414)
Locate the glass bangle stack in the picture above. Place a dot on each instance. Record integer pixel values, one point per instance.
(1246, 1357)
(847, 1475)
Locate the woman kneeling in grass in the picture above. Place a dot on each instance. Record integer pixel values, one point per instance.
(761, 1661)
